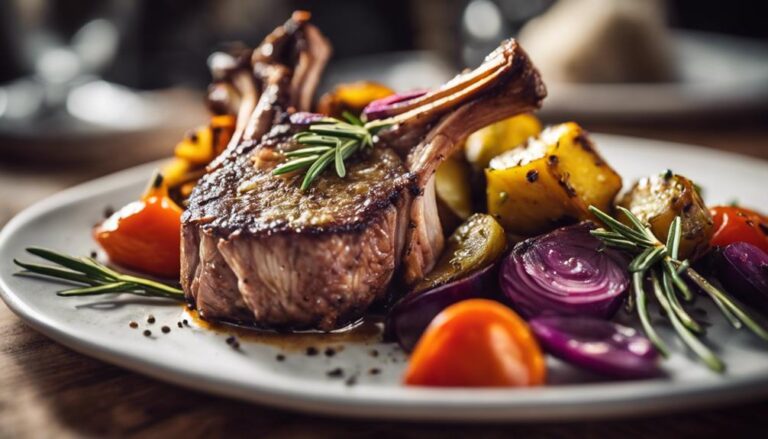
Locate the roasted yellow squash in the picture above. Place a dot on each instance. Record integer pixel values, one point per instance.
(453, 187)
(485, 144)
(352, 97)
(550, 181)
(658, 199)
(193, 154)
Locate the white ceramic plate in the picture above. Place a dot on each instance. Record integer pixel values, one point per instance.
(200, 358)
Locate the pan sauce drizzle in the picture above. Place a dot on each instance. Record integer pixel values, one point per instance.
(367, 330)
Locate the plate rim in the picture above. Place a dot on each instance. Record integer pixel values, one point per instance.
(568, 402)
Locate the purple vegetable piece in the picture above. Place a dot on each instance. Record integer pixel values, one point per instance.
(742, 268)
(565, 272)
(384, 107)
(597, 345)
(408, 319)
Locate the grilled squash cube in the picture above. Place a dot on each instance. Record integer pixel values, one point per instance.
(550, 181)
(487, 143)
(453, 186)
(352, 97)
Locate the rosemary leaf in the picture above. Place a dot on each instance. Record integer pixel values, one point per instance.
(638, 278)
(673, 237)
(683, 266)
(622, 244)
(310, 138)
(332, 140)
(351, 118)
(643, 229)
(115, 287)
(317, 167)
(310, 151)
(669, 291)
(295, 165)
(620, 227)
(669, 269)
(647, 258)
(339, 130)
(97, 278)
(74, 264)
(700, 349)
(710, 289)
(45, 270)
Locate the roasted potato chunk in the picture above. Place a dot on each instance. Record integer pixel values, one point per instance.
(476, 243)
(352, 97)
(485, 144)
(550, 181)
(658, 199)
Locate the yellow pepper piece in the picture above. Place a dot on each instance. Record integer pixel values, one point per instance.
(453, 186)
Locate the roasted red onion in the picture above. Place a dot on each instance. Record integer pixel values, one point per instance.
(565, 272)
(742, 268)
(408, 319)
(387, 106)
(597, 345)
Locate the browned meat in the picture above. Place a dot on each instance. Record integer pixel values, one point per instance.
(258, 250)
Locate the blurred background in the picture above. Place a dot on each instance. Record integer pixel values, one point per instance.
(89, 87)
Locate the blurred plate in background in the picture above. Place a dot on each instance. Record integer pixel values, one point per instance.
(101, 121)
(718, 74)
(400, 71)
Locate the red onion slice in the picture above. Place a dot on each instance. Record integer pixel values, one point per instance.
(742, 268)
(597, 345)
(408, 319)
(388, 106)
(565, 272)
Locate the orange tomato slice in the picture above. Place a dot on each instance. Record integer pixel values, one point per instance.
(145, 235)
(477, 343)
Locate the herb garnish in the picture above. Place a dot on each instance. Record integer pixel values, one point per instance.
(659, 262)
(325, 141)
(96, 277)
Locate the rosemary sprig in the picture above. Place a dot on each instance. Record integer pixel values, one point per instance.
(94, 278)
(660, 262)
(327, 141)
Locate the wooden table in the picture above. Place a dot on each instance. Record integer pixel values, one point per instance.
(47, 390)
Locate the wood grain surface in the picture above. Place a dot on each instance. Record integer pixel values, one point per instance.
(48, 391)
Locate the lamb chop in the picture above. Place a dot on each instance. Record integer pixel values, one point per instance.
(259, 250)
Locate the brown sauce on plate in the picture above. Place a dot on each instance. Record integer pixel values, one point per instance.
(367, 330)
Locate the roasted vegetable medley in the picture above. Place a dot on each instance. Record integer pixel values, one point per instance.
(535, 228)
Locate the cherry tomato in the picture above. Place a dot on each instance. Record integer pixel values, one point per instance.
(737, 224)
(145, 235)
(476, 343)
